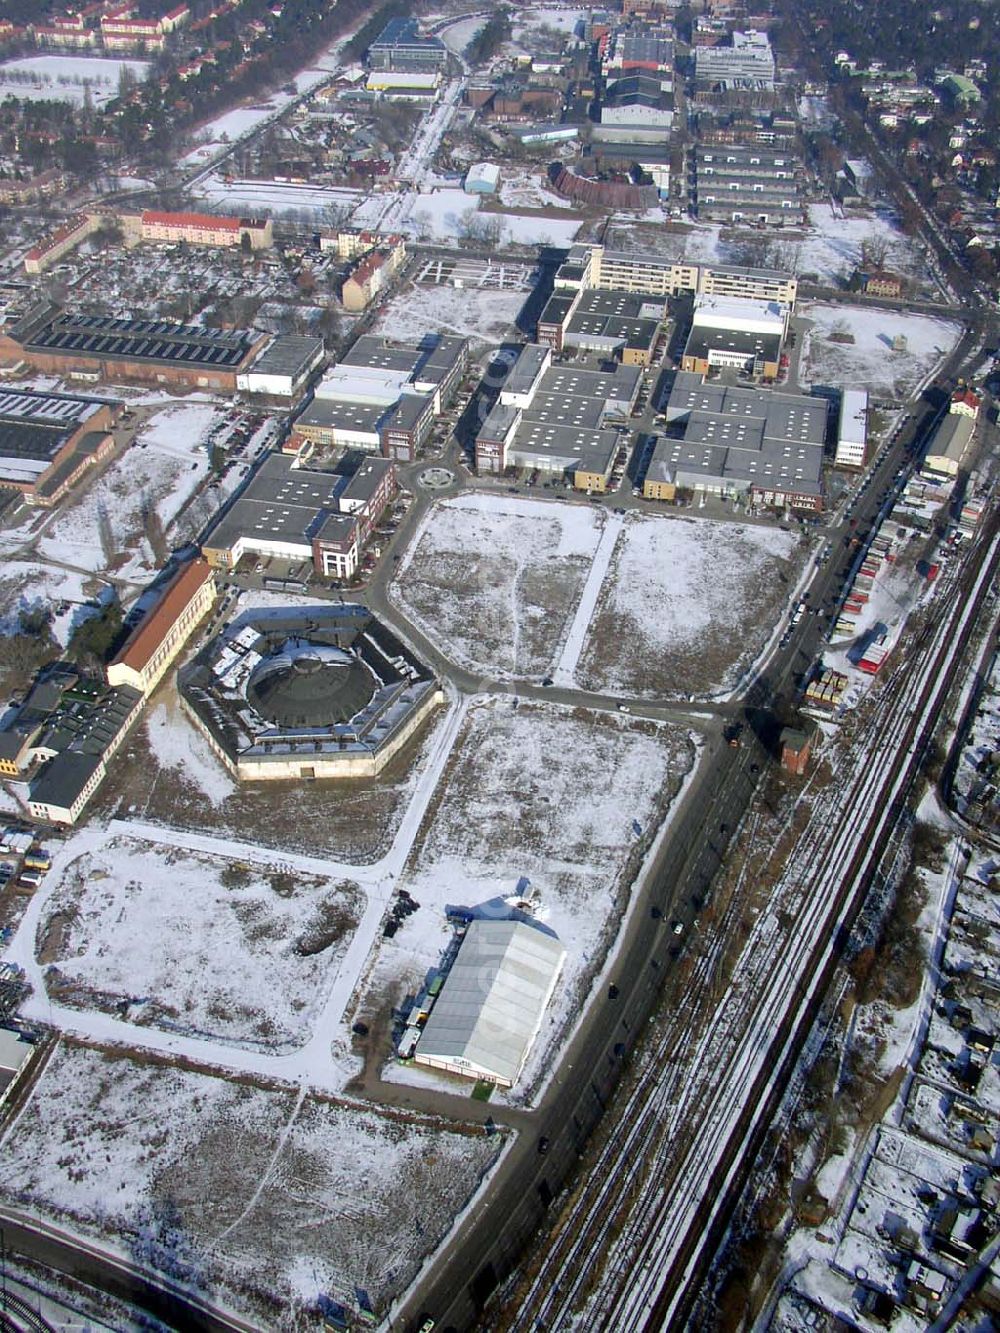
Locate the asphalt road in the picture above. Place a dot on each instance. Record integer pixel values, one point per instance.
(484, 1254)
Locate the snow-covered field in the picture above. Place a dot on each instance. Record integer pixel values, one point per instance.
(686, 606)
(524, 229)
(270, 197)
(548, 794)
(443, 214)
(157, 474)
(486, 317)
(255, 1197)
(194, 943)
(66, 78)
(494, 580)
(869, 362)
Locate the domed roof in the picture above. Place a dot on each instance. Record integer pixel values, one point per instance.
(310, 685)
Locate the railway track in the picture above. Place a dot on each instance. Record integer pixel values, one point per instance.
(656, 1200)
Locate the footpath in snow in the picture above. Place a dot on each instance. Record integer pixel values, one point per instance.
(565, 668)
(314, 1063)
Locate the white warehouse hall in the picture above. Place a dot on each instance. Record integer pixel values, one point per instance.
(492, 1003)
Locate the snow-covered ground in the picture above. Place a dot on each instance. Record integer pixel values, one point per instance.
(190, 942)
(255, 1198)
(486, 317)
(457, 36)
(528, 189)
(687, 605)
(529, 229)
(869, 362)
(494, 580)
(553, 796)
(157, 474)
(270, 197)
(26, 585)
(67, 78)
(443, 214)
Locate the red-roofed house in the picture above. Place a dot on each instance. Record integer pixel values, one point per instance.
(198, 229)
(965, 402)
(60, 243)
(371, 275)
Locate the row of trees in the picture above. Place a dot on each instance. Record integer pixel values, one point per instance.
(489, 39)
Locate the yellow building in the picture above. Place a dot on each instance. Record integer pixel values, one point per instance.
(596, 482)
(163, 631)
(659, 490)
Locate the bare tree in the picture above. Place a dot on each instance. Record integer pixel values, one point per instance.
(874, 252)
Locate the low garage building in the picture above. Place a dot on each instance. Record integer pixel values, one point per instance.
(491, 1006)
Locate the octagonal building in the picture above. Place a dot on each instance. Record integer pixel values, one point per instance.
(303, 693)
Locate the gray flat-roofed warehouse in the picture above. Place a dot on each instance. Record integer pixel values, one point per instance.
(400, 46)
(342, 421)
(734, 347)
(735, 440)
(558, 421)
(280, 503)
(610, 322)
(525, 370)
(282, 368)
(493, 1001)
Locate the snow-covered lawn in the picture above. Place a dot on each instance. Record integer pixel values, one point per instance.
(193, 943)
(66, 78)
(549, 794)
(253, 1197)
(832, 249)
(494, 580)
(869, 362)
(487, 317)
(686, 606)
(442, 214)
(107, 529)
(530, 229)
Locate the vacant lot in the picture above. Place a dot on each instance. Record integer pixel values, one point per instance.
(686, 606)
(257, 1198)
(563, 798)
(850, 347)
(486, 317)
(194, 943)
(122, 521)
(495, 580)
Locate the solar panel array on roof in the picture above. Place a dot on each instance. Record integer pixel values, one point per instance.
(50, 409)
(141, 339)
